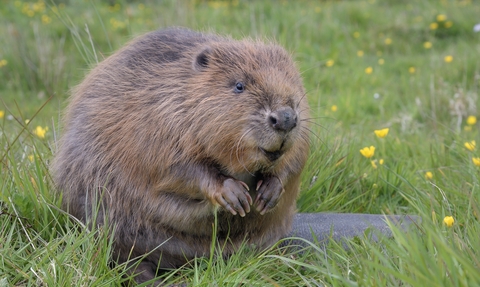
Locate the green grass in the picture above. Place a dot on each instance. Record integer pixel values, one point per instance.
(423, 100)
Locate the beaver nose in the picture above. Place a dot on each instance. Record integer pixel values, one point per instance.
(283, 119)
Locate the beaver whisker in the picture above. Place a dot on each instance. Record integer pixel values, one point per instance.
(313, 133)
(300, 100)
(313, 122)
(237, 148)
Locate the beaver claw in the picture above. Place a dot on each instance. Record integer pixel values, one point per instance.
(269, 191)
(234, 197)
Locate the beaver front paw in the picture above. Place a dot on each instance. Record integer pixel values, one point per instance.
(234, 197)
(269, 191)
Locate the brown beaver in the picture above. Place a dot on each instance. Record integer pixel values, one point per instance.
(178, 128)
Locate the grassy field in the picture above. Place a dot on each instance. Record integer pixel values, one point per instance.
(410, 66)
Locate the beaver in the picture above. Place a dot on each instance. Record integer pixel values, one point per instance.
(178, 133)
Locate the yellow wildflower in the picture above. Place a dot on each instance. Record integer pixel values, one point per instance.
(31, 157)
(476, 161)
(368, 70)
(471, 120)
(448, 58)
(374, 163)
(2, 114)
(448, 24)
(3, 63)
(448, 221)
(433, 26)
(368, 152)
(411, 70)
(334, 108)
(470, 145)
(441, 17)
(428, 175)
(329, 63)
(381, 61)
(356, 34)
(218, 4)
(381, 161)
(360, 53)
(40, 132)
(467, 128)
(375, 186)
(427, 45)
(46, 19)
(388, 41)
(38, 7)
(381, 133)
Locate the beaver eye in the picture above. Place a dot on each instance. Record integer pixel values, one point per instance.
(239, 87)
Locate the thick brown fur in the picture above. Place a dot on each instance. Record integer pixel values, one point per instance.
(163, 134)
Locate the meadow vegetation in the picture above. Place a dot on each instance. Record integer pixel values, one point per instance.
(412, 67)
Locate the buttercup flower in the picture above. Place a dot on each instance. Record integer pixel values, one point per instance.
(329, 63)
(441, 17)
(433, 26)
(360, 53)
(40, 132)
(46, 19)
(476, 161)
(374, 163)
(356, 34)
(427, 45)
(448, 59)
(369, 70)
(470, 145)
(381, 61)
(471, 120)
(2, 114)
(334, 108)
(448, 221)
(411, 70)
(368, 152)
(448, 24)
(388, 41)
(381, 161)
(428, 175)
(381, 133)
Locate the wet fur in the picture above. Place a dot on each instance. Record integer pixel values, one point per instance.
(155, 130)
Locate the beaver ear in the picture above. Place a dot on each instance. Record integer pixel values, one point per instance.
(201, 60)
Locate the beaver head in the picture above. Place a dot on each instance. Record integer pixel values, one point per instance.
(250, 107)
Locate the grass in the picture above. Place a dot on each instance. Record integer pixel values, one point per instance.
(367, 65)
